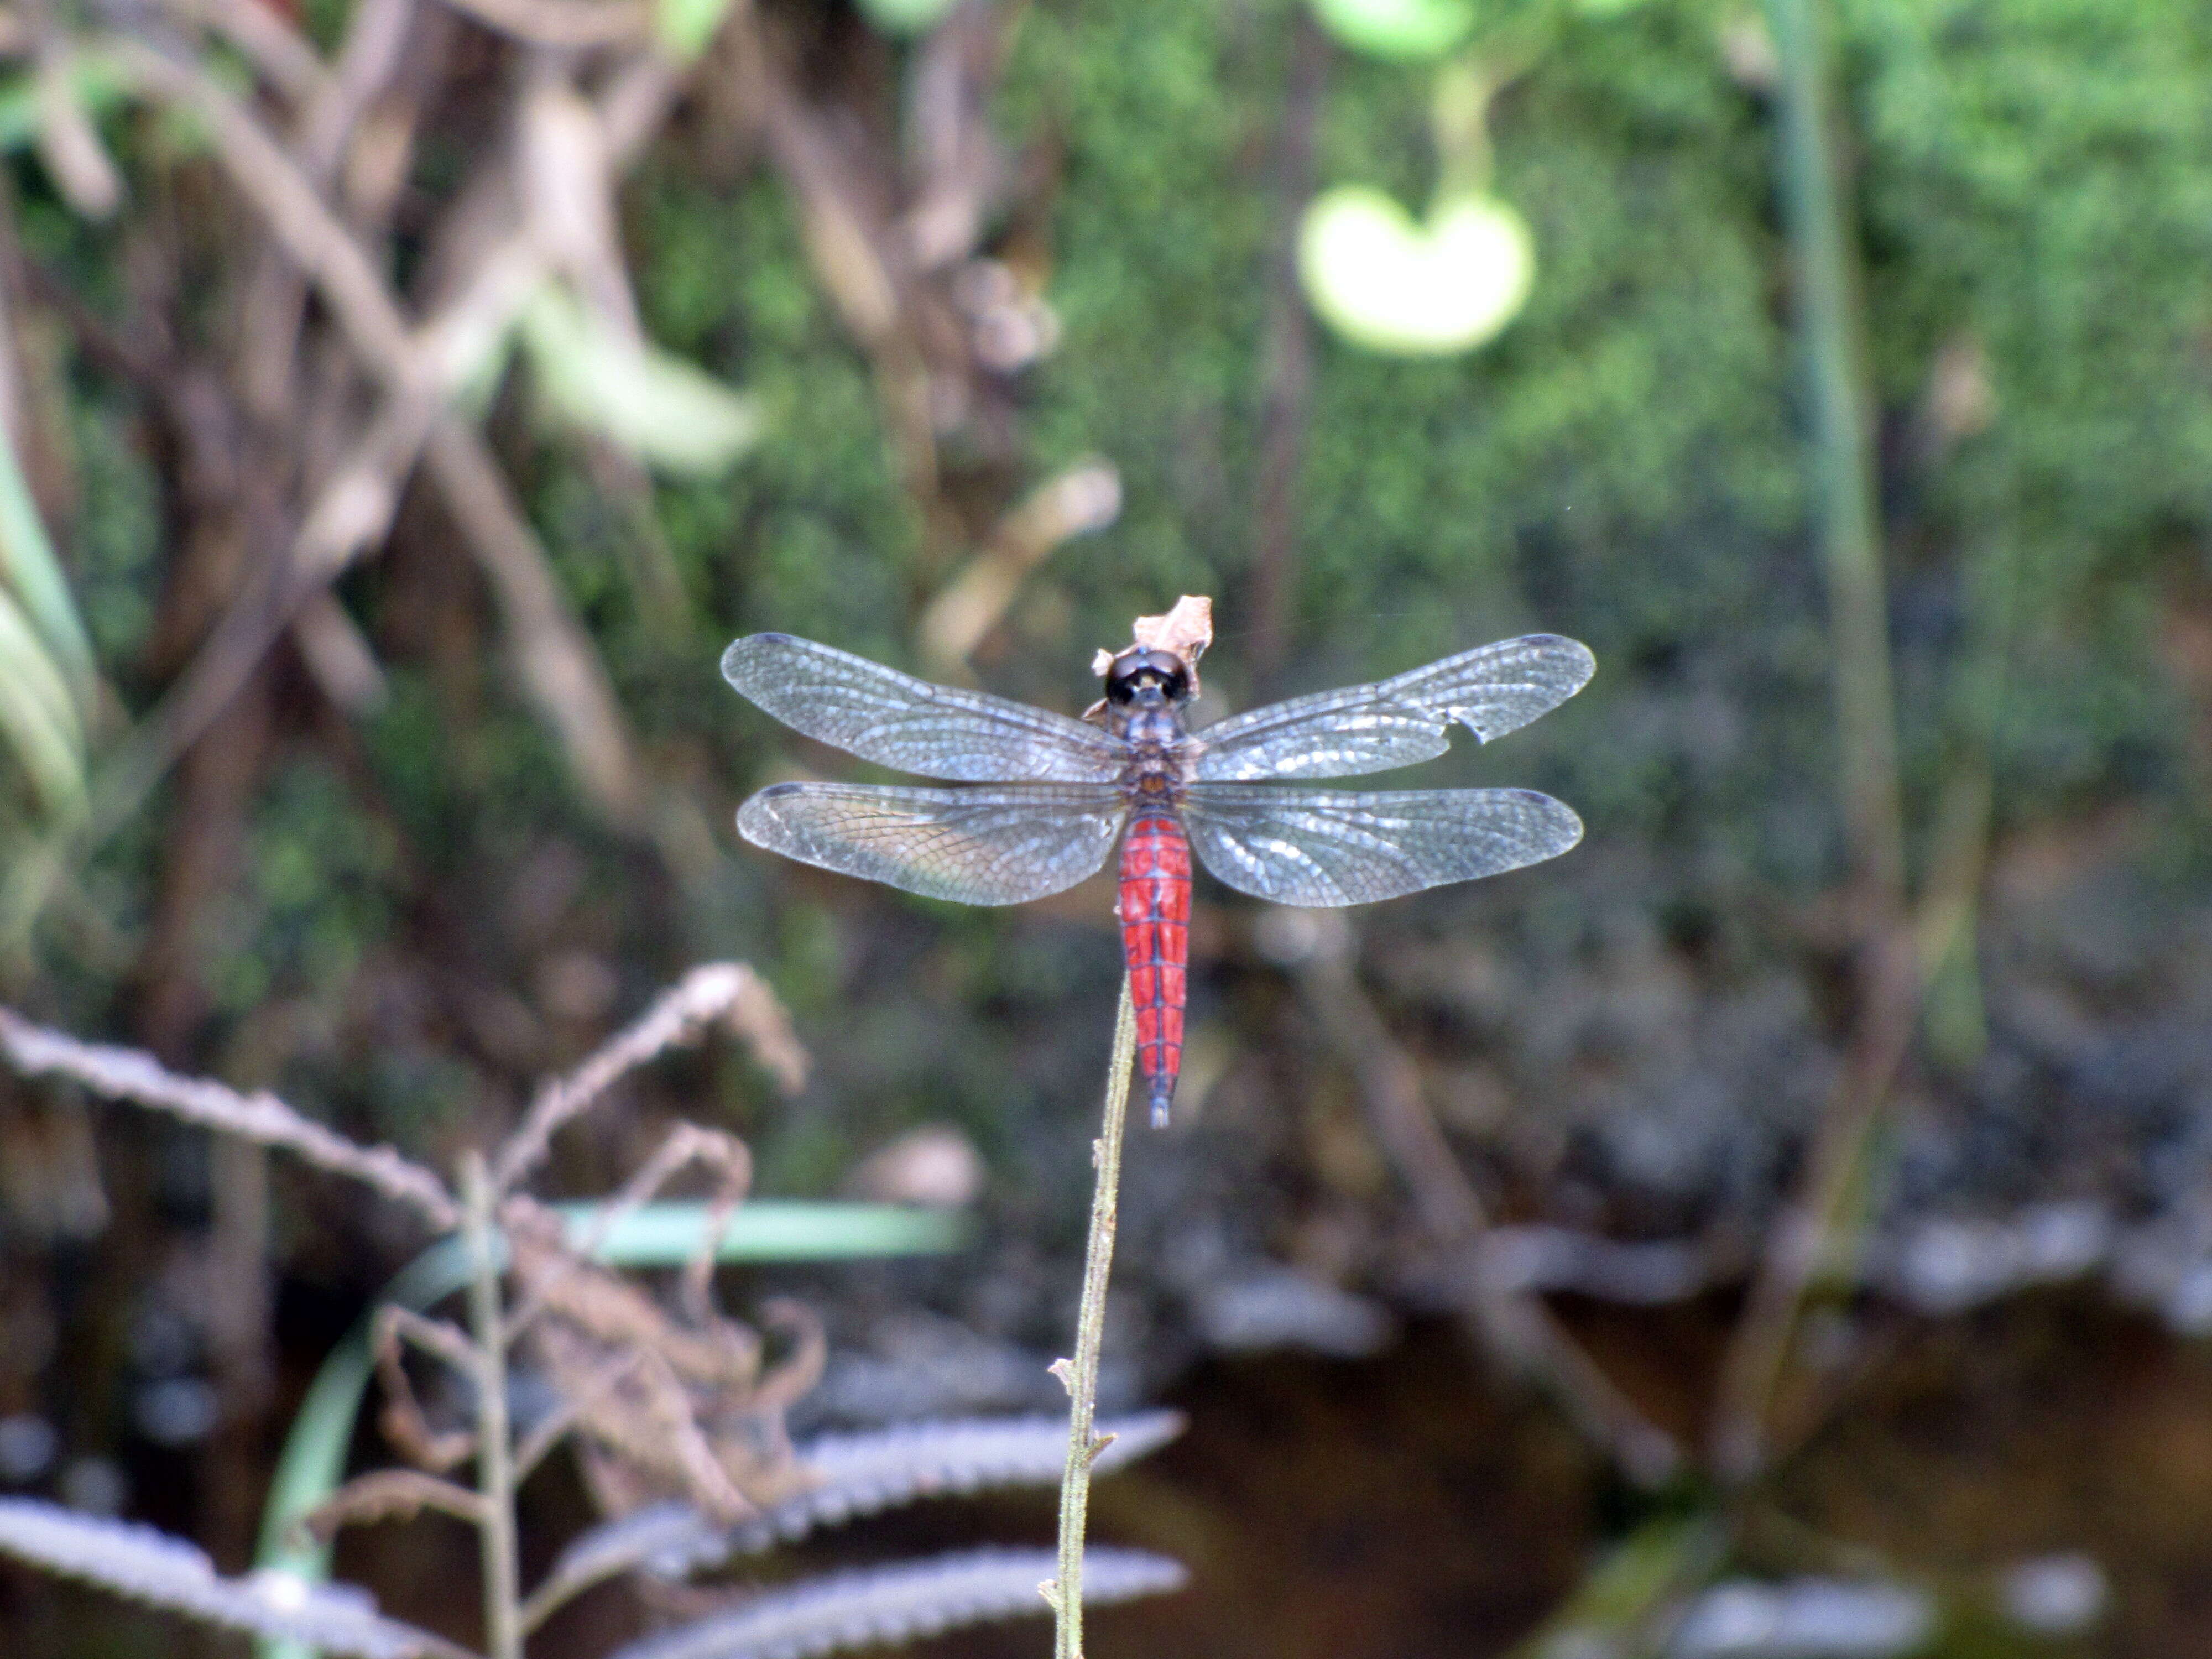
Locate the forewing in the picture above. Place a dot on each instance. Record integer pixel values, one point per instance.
(896, 719)
(1343, 847)
(1491, 690)
(975, 846)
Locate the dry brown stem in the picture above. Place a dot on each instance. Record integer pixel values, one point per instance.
(562, 23)
(1800, 1239)
(662, 1408)
(1514, 1326)
(554, 655)
(122, 1074)
(402, 1419)
(276, 51)
(1082, 500)
(392, 1495)
(727, 994)
(417, 370)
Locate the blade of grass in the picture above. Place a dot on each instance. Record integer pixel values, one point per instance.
(28, 566)
(37, 717)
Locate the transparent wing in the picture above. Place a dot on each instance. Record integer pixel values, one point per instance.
(1343, 847)
(896, 719)
(975, 846)
(1491, 690)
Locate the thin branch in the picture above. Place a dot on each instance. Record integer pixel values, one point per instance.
(1080, 1377)
(725, 992)
(294, 213)
(418, 370)
(1513, 1324)
(562, 23)
(1079, 502)
(555, 656)
(435, 1337)
(402, 1419)
(392, 1495)
(494, 1473)
(128, 1074)
(1801, 1238)
(277, 51)
(274, 307)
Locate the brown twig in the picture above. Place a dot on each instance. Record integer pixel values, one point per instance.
(274, 307)
(1801, 1239)
(728, 993)
(418, 372)
(129, 1074)
(278, 51)
(559, 667)
(392, 1495)
(1514, 1326)
(562, 23)
(1079, 502)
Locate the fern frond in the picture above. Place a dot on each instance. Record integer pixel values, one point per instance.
(899, 1603)
(151, 1566)
(855, 1474)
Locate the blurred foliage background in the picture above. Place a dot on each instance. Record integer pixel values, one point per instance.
(957, 338)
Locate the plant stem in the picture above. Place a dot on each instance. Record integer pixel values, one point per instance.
(1081, 1375)
(1831, 319)
(1832, 324)
(494, 1473)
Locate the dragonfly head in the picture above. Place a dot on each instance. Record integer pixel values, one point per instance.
(1148, 678)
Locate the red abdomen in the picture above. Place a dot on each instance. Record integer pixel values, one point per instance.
(1155, 911)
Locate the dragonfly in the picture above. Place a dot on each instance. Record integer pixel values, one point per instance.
(1049, 796)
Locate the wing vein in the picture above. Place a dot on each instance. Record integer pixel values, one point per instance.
(1331, 846)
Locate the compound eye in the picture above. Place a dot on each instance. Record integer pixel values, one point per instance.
(1123, 688)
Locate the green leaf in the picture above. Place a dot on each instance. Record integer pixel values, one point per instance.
(28, 567)
(667, 1235)
(664, 410)
(686, 25)
(1618, 1598)
(1391, 285)
(1414, 31)
(905, 16)
(37, 717)
(98, 85)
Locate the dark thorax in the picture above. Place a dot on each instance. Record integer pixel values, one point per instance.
(1146, 692)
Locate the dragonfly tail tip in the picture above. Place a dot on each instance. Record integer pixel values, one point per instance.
(1160, 1103)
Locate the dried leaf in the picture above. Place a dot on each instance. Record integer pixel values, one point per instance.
(1185, 630)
